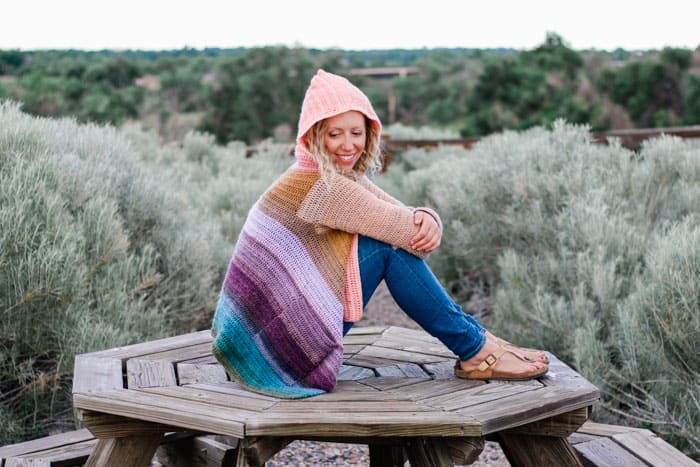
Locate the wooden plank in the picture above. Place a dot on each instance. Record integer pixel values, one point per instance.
(311, 406)
(199, 451)
(234, 389)
(604, 452)
(604, 429)
(410, 345)
(48, 442)
(371, 362)
(351, 424)
(257, 451)
(536, 451)
(415, 334)
(135, 451)
(352, 349)
(654, 450)
(349, 373)
(211, 398)
(190, 373)
(429, 389)
(364, 330)
(180, 354)
(576, 438)
(441, 370)
(104, 425)
(388, 353)
(384, 383)
(97, 374)
(158, 345)
(67, 455)
(471, 396)
(464, 451)
(405, 369)
(515, 410)
(360, 339)
(206, 360)
(166, 410)
(428, 452)
(560, 425)
(147, 373)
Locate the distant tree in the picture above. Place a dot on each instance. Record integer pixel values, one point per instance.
(258, 91)
(10, 61)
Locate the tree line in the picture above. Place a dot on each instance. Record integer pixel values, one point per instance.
(254, 94)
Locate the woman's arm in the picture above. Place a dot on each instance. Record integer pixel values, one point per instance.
(383, 195)
(346, 205)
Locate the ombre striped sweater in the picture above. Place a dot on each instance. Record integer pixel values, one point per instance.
(294, 278)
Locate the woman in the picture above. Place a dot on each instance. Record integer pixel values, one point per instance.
(314, 248)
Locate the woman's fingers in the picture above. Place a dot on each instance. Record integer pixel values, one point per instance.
(428, 236)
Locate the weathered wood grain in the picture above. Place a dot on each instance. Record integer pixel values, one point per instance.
(604, 452)
(61, 456)
(560, 425)
(537, 451)
(166, 410)
(383, 383)
(430, 452)
(350, 373)
(209, 398)
(134, 451)
(48, 442)
(148, 373)
(472, 396)
(97, 373)
(103, 425)
(651, 448)
(353, 424)
(199, 451)
(190, 373)
(410, 370)
(515, 410)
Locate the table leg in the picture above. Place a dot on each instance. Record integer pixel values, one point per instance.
(131, 451)
(537, 450)
(428, 452)
(381, 455)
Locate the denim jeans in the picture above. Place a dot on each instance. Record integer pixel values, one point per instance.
(419, 294)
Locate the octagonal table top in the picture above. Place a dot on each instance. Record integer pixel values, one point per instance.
(394, 382)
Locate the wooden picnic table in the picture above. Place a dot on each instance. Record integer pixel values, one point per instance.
(396, 393)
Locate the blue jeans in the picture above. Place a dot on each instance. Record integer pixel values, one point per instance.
(419, 294)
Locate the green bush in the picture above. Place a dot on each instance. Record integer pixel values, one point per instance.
(575, 242)
(97, 249)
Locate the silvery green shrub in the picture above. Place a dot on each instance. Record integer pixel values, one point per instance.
(97, 249)
(563, 232)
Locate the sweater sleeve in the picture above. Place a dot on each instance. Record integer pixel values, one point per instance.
(346, 205)
(381, 194)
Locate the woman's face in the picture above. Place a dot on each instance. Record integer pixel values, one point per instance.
(345, 138)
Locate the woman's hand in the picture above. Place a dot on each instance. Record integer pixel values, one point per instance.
(429, 235)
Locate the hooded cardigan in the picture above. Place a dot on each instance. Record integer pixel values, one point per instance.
(294, 275)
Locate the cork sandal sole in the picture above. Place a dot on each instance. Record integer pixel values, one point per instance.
(486, 371)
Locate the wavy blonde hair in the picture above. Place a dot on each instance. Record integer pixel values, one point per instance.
(370, 160)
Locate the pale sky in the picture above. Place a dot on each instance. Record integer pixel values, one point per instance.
(352, 24)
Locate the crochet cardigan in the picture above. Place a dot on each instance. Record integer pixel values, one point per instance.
(294, 278)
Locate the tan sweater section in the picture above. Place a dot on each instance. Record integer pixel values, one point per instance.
(360, 207)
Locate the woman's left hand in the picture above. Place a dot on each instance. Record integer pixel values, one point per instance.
(429, 235)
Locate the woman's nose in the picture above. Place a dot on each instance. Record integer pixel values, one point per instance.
(347, 142)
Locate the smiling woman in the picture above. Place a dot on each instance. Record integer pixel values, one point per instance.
(315, 247)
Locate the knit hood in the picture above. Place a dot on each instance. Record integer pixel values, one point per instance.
(329, 95)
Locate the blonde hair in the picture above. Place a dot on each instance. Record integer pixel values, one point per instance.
(370, 160)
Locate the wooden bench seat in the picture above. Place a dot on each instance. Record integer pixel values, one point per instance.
(598, 445)
(603, 445)
(62, 450)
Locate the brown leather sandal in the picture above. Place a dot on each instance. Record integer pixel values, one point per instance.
(505, 343)
(485, 370)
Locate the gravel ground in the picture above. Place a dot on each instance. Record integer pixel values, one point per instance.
(381, 310)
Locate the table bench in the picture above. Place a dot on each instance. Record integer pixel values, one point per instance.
(396, 393)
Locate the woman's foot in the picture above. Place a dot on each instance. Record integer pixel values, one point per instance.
(527, 354)
(497, 362)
